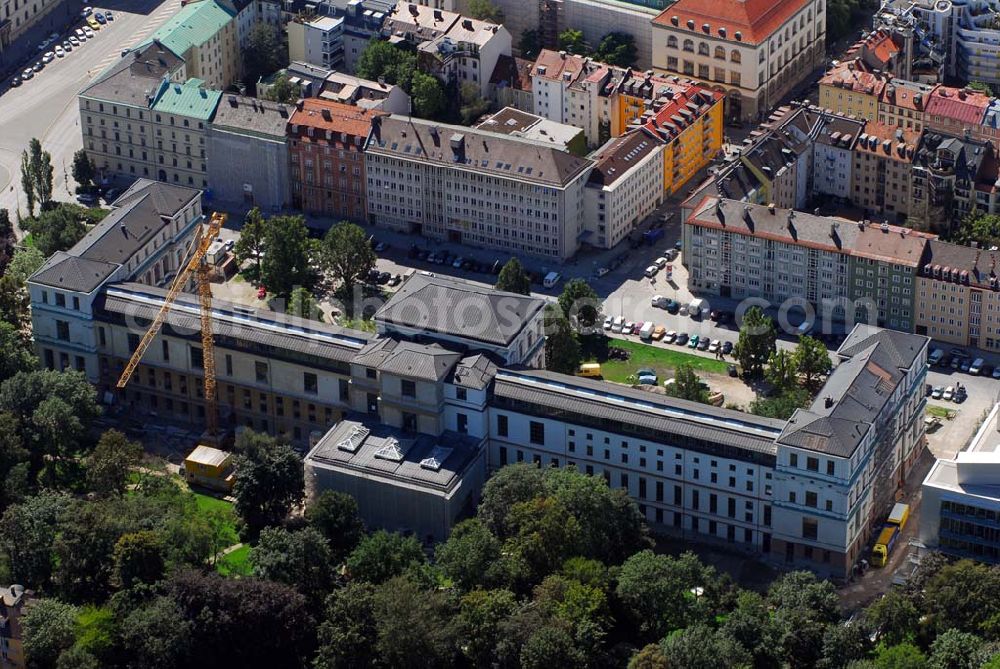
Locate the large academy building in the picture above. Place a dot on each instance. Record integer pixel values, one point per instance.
(450, 387)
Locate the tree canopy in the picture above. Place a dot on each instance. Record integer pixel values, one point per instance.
(513, 278)
(269, 480)
(347, 256)
(756, 341)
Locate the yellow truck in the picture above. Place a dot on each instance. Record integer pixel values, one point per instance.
(889, 534)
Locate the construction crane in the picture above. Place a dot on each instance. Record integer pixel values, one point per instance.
(196, 265)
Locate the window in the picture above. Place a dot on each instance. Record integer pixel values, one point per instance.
(811, 499)
(830, 470)
(408, 388)
(502, 426)
(688, 45)
(229, 365)
(720, 53)
(370, 373)
(260, 370)
(62, 330)
(671, 42)
(197, 359)
(702, 49)
(60, 300)
(461, 394)
(310, 383)
(793, 460)
(810, 529)
(462, 423)
(812, 464)
(536, 433)
(735, 57)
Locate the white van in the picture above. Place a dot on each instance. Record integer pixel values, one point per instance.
(551, 279)
(697, 307)
(647, 330)
(618, 324)
(977, 366)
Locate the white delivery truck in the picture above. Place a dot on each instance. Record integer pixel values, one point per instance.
(696, 307)
(646, 332)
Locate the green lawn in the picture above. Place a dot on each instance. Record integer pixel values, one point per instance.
(940, 412)
(207, 502)
(661, 359)
(236, 563)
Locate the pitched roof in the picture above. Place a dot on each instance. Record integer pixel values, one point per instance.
(81, 275)
(474, 149)
(888, 141)
(619, 155)
(193, 25)
(418, 22)
(754, 20)
(474, 371)
(134, 78)
(429, 362)
(512, 72)
(459, 308)
(850, 76)
(335, 116)
(557, 66)
(901, 347)
(907, 94)
(961, 105)
(684, 104)
(190, 99)
(242, 113)
(960, 264)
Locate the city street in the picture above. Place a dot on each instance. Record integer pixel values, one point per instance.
(46, 106)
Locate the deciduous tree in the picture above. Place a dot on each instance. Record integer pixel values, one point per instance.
(335, 515)
(84, 171)
(616, 48)
(347, 256)
(581, 305)
(484, 10)
(264, 53)
(572, 41)
(349, 631)
(139, 558)
(298, 558)
(782, 371)
(49, 628)
(269, 480)
(383, 555)
(470, 556)
(109, 463)
(513, 278)
(687, 385)
(286, 263)
(812, 360)
(756, 341)
(562, 349)
(250, 246)
(428, 95)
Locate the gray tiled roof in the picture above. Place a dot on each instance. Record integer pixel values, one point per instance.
(64, 271)
(459, 308)
(480, 151)
(135, 77)
(253, 326)
(463, 450)
(430, 362)
(623, 405)
(240, 113)
(474, 371)
(902, 347)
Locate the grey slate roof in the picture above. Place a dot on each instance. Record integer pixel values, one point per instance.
(461, 451)
(280, 331)
(474, 371)
(902, 347)
(64, 271)
(479, 150)
(459, 308)
(246, 114)
(619, 404)
(429, 362)
(135, 77)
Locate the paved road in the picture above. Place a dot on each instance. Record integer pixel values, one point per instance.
(46, 106)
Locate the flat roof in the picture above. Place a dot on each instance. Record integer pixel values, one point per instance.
(208, 456)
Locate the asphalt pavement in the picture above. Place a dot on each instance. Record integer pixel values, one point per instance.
(46, 106)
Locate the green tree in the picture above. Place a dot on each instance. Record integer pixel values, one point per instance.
(530, 44)
(782, 405)
(429, 99)
(513, 278)
(480, 619)
(981, 87)
(17, 355)
(26, 261)
(335, 515)
(303, 304)
(156, 634)
(656, 592)
(286, 263)
(138, 558)
(301, 559)
(264, 52)
(812, 360)
(701, 647)
(108, 465)
(472, 105)
(572, 41)
(581, 305)
(395, 65)
(349, 631)
(750, 624)
(756, 341)
(269, 480)
(978, 227)
(251, 245)
(616, 48)
(652, 656)
(96, 634)
(383, 555)
(844, 644)
(76, 657)
(900, 656)
(470, 556)
(484, 10)
(347, 256)
(894, 617)
(14, 303)
(28, 533)
(56, 229)
(957, 650)
(83, 553)
(964, 595)
(48, 628)
(36, 175)
(803, 607)
(552, 647)
(687, 385)
(54, 411)
(782, 372)
(562, 349)
(282, 90)
(84, 171)
(28, 183)
(416, 627)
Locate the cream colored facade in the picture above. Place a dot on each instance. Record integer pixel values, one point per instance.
(755, 76)
(217, 60)
(20, 15)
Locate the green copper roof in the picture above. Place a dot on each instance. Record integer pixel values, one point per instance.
(193, 25)
(187, 99)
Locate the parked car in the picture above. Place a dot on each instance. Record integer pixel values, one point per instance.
(949, 393)
(960, 395)
(681, 338)
(67, 46)
(380, 246)
(618, 324)
(608, 322)
(48, 57)
(60, 52)
(74, 40)
(109, 16)
(937, 392)
(38, 67)
(693, 342)
(965, 366)
(15, 82)
(100, 18)
(88, 32)
(714, 346)
(80, 34)
(92, 23)
(659, 332)
(669, 337)
(457, 263)
(395, 280)
(672, 306)
(704, 343)
(733, 371)
(628, 327)
(996, 372)
(658, 301)
(28, 74)
(601, 271)
(727, 347)
(660, 263)
(87, 11)
(651, 271)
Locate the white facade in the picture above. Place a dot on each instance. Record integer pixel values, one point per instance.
(319, 42)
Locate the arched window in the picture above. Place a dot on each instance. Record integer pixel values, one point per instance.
(720, 53)
(734, 56)
(672, 42)
(702, 49)
(688, 45)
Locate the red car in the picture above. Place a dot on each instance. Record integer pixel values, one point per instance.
(261, 293)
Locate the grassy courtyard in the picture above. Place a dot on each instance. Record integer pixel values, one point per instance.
(236, 563)
(661, 359)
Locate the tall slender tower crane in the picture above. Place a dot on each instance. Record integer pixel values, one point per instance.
(196, 265)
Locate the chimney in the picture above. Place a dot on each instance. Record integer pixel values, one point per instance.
(326, 115)
(467, 24)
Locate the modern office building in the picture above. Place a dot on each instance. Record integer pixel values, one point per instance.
(247, 140)
(754, 51)
(475, 187)
(325, 145)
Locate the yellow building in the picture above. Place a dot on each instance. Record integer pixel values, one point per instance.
(209, 468)
(849, 90)
(691, 125)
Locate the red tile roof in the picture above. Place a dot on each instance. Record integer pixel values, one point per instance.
(755, 20)
(882, 133)
(907, 94)
(339, 117)
(555, 64)
(849, 76)
(966, 107)
(685, 107)
(878, 45)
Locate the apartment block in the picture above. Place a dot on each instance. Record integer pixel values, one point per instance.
(204, 34)
(850, 89)
(320, 82)
(19, 16)
(319, 41)
(475, 187)
(141, 118)
(883, 275)
(755, 52)
(511, 84)
(325, 145)
(883, 162)
(510, 121)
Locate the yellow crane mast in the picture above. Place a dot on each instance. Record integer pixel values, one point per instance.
(196, 265)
